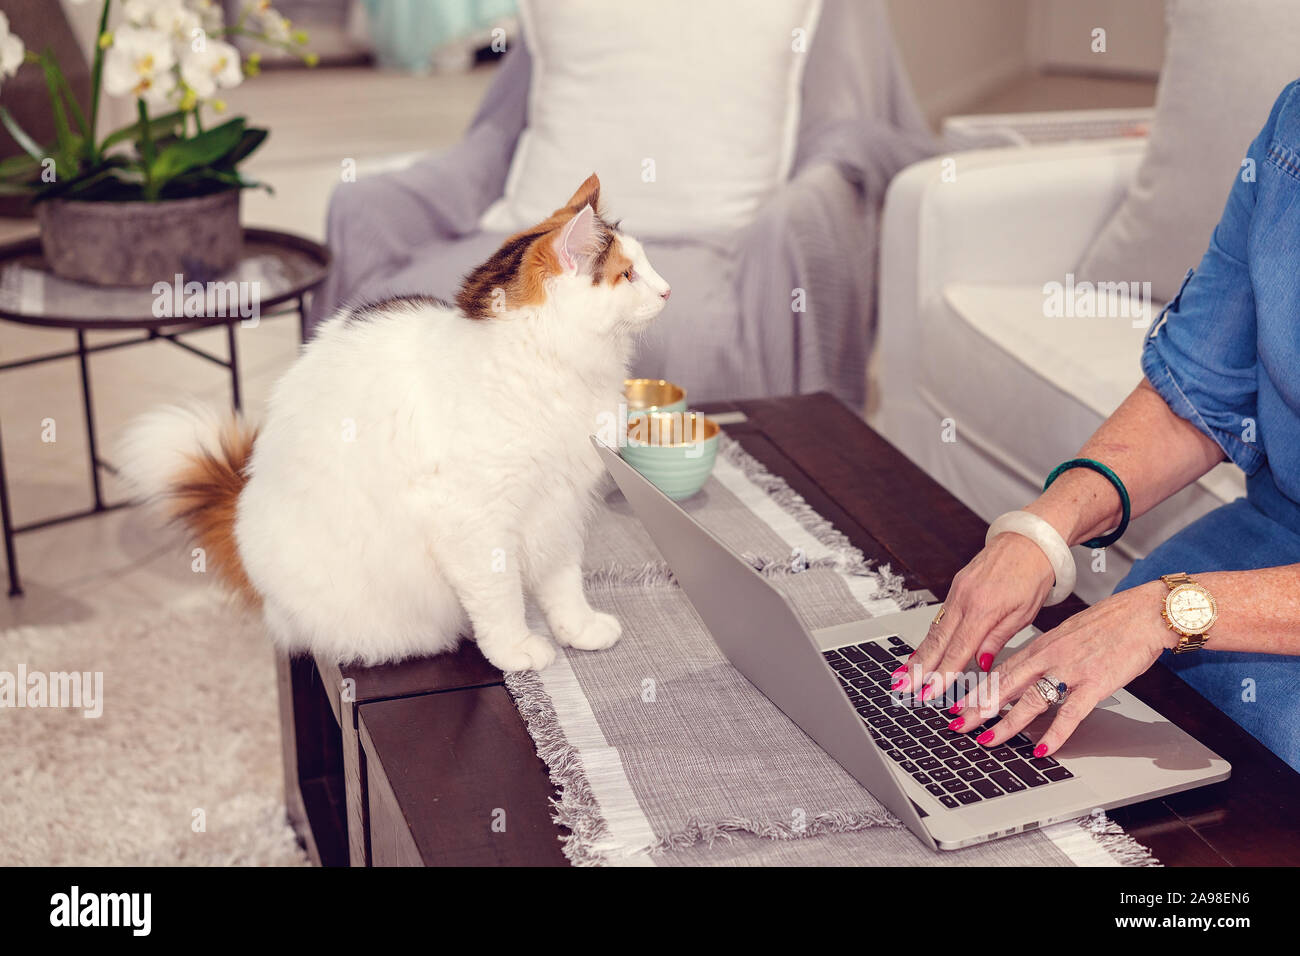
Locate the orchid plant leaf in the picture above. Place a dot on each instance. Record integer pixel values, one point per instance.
(201, 150)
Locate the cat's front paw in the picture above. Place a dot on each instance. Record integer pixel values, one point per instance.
(593, 632)
(533, 653)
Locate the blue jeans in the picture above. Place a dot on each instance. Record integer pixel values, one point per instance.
(1261, 530)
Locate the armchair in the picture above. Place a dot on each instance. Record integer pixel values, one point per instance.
(731, 330)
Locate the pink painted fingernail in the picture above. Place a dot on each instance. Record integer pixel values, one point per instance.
(927, 693)
(900, 670)
(957, 724)
(899, 683)
(956, 708)
(1040, 750)
(986, 661)
(911, 655)
(984, 737)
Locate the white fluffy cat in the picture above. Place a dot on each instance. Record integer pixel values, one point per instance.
(422, 463)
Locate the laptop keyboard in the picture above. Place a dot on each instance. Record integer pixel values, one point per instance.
(951, 765)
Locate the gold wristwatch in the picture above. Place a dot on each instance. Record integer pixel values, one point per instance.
(1189, 611)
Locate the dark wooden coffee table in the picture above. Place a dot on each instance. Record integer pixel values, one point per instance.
(433, 752)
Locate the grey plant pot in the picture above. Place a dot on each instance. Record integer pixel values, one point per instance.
(140, 243)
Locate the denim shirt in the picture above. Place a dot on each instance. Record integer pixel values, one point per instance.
(1225, 353)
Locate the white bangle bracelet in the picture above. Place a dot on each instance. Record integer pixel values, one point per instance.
(1047, 538)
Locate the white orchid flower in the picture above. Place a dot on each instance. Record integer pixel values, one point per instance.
(12, 49)
(180, 23)
(277, 29)
(139, 63)
(171, 17)
(211, 15)
(139, 13)
(274, 26)
(215, 67)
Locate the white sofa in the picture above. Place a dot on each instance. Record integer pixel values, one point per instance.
(965, 342)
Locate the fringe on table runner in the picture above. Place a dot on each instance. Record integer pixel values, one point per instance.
(850, 559)
(1111, 838)
(657, 574)
(589, 841)
(576, 808)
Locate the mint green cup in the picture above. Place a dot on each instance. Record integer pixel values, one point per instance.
(675, 451)
(644, 395)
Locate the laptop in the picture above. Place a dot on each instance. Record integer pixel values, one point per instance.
(833, 683)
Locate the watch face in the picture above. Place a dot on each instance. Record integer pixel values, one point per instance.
(1190, 608)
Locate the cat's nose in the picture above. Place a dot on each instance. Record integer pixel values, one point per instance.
(666, 293)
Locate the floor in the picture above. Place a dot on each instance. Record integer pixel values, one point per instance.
(123, 561)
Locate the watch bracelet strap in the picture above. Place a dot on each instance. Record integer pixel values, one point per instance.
(1186, 642)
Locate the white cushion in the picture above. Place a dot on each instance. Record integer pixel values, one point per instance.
(688, 112)
(1225, 64)
(1092, 360)
(1089, 363)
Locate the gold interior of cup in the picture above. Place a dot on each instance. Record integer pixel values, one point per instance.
(651, 393)
(671, 429)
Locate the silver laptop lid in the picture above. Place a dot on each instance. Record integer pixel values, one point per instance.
(760, 634)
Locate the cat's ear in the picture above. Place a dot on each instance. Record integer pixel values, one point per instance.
(588, 194)
(578, 240)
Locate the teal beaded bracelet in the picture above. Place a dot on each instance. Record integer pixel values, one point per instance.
(1106, 540)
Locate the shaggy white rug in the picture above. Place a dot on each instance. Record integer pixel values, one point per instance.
(182, 767)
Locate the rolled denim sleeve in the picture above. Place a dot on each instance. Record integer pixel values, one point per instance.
(1202, 353)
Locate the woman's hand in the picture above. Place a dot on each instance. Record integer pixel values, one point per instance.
(1095, 653)
(991, 599)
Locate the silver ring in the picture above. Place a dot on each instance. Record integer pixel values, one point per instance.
(1052, 691)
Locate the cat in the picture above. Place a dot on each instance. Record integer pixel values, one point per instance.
(422, 465)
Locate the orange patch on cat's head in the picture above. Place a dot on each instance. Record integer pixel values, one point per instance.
(515, 275)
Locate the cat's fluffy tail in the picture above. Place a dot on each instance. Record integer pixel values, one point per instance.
(193, 462)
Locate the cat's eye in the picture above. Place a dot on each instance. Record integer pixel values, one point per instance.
(628, 275)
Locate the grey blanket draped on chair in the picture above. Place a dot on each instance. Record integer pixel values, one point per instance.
(732, 329)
